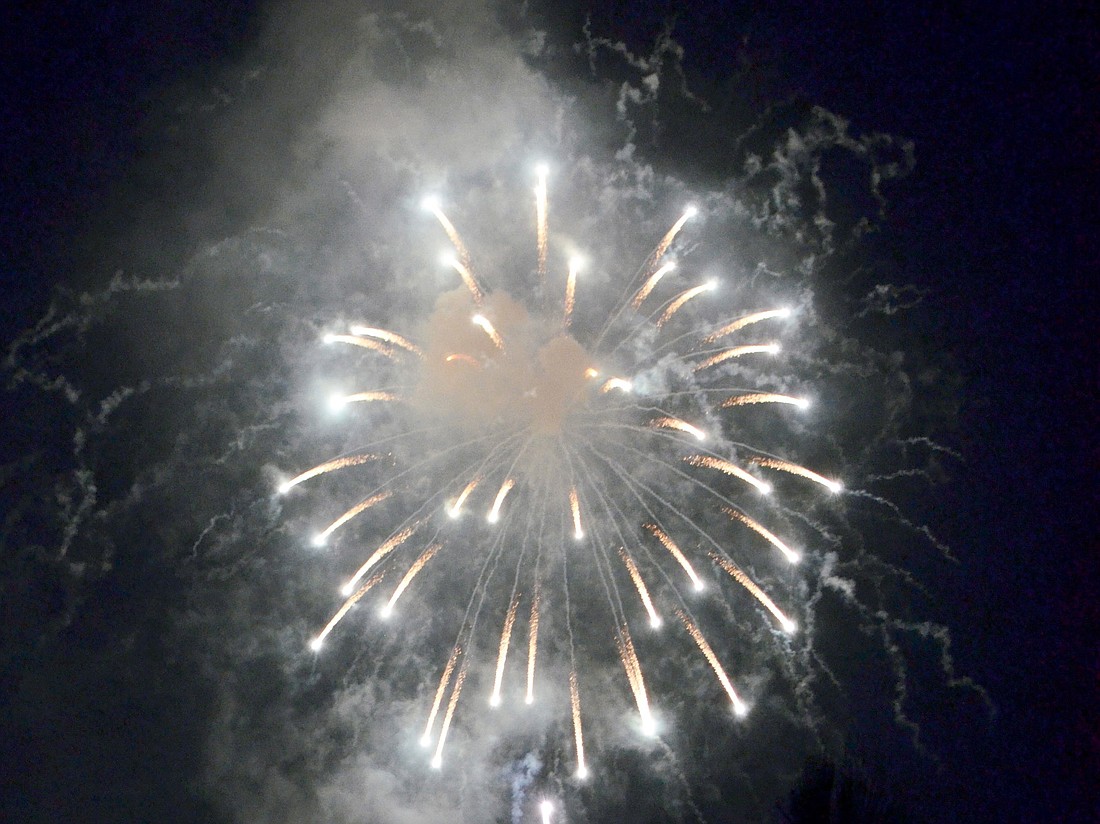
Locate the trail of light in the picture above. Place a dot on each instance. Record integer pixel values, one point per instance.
(327, 466)
(388, 337)
(540, 220)
(365, 343)
(458, 357)
(736, 352)
(633, 667)
(456, 508)
(670, 545)
(801, 471)
(483, 323)
(650, 285)
(744, 580)
(570, 292)
(502, 652)
(365, 397)
(578, 732)
(320, 538)
(575, 506)
(639, 584)
(789, 553)
(747, 320)
(385, 549)
(437, 759)
(546, 809)
(444, 680)
(679, 426)
(729, 469)
(502, 493)
(316, 643)
(532, 646)
(426, 556)
(467, 278)
(763, 397)
(683, 298)
(617, 383)
(452, 233)
(739, 706)
(666, 241)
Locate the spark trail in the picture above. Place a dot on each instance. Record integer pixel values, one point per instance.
(502, 651)
(739, 706)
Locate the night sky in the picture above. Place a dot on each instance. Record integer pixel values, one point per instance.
(190, 191)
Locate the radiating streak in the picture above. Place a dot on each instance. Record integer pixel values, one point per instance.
(617, 383)
(365, 343)
(680, 426)
(502, 652)
(739, 706)
(418, 565)
(683, 298)
(444, 680)
(578, 732)
(674, 550)
(367, 503)
(570, 292)
(736, 352)
(494, 513)
(316, 643)
(456, 508)
(633, 668)
(747, 320)
(801, 471)
(467, 278)
(728, 468)
(367, 397)
(789, 553)
(763, 397)
(541, 221)
(452, 234)
(483, 323)
(327, 466)
(650, 284)
(388, 337)
(385, 549)
(532, 645)
(459, 357)
(437, 759)
(666, 241)
(575, 506)
(639, 584)
(744, 580)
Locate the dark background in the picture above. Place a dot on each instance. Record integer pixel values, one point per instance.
(997, 223)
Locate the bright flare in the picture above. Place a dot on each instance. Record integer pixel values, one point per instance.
(739, 706)
(788, 553)
(674, 550)
(744, 580)
(432, 205)
(708, 462)
(322, 537)
(437, 759)
(502, 493)
(575, 506)
(650, 284)
(388, 337)
(456, 508)
(763, 397)
(502, 651)
(621, 384)
(328, 466)
(639, 584)
(736, 352)
(483, 323)
(316, 643)
(683, 298)
(546, 809)
(363, 397)
(801, 471)
(633, 667)
(679, 426)
(444, 680)
(747, 320)
(365, 343)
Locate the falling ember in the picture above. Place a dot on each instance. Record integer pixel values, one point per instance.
(674, 550)
(540, 219)
(323, 536)
(328, 466)
(736, 352)
(651, 284)
(763, 397)
(456, 508)
(364, 397)
(458, 357)
(467, 278)
(708, 462)
(789, 553)
(570, 292)
(639, 584)
(502, 652)
(633, 667)
(679, 426)
(747, 320)
(316, 643)
(502, 493)
(744, 580)
(801, 471)
(388, 337)
(575, 506)
(432, 205)
(621, 384)
(426, 556)
(385, 549)
(683, 298)
(444, 680)
(578, 732)
(483, 323)
(546, 809)
(365, 343)
(739, 706)
(437, 759)
(532, 646)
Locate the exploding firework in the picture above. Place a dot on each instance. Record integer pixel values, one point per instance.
(584, 452)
